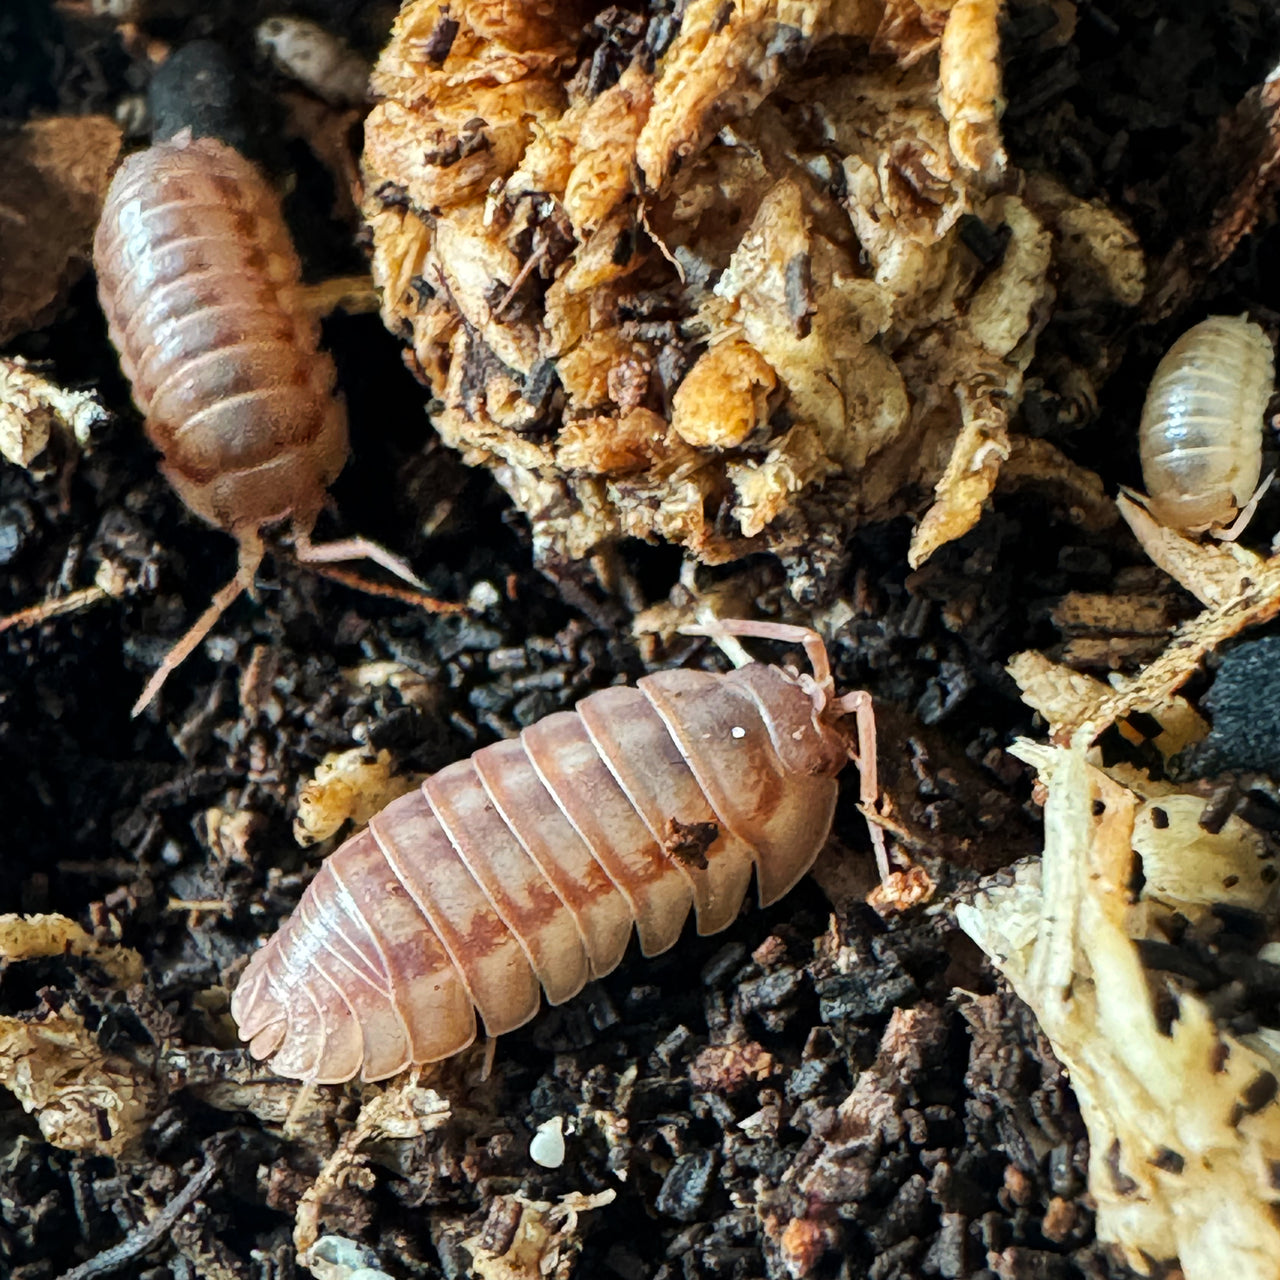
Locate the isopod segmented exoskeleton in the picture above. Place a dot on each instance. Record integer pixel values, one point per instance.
(1200, 439)
(528, 863)
(202, 291)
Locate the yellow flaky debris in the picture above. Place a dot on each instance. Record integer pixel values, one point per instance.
(33, 937)
(1183, 1121)
(678, 298)
(348, 786)
(82, 1099)
(1007, 312)
(969, 84)
(724, 398)
(34, 411)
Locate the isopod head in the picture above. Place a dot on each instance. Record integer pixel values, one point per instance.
(1200, 438)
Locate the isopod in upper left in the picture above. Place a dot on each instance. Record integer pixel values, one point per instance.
(201, 286)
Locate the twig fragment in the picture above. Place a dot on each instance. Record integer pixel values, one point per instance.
(146, 1237)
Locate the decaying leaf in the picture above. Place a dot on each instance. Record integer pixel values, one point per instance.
(1242, 167)
(33, 410)
(56, 173)
(82, 1099)
(349, 786)
(1184, 1124)
(1076, 491)
(860, 1128)
(679, 302)
(1006, 313)
(542, 1242)
(1214, 572)
(1240, 588)
(1099, 257)
(32, 937)
(404, 1110)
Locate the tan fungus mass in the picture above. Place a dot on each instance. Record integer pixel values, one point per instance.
(677, 300)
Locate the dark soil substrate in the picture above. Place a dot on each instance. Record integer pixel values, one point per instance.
(977, 1159)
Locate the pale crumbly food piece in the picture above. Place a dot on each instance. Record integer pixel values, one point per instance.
(35, 410)
(348, 786)
(671, 278)
(84, 1098)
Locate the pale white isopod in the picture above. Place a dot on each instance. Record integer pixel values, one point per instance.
(1200, 439)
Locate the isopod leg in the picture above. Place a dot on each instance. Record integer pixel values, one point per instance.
(309, 552)
(815, 648)
(1241, 522)
(331, 553)
(250, 558)
(356, 295)
(859, 705)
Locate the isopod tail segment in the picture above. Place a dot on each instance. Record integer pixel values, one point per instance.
(826, 704)
(322, 555)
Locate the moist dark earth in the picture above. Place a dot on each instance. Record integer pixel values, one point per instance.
(974, 1165)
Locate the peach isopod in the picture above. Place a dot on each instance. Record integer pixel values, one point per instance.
(202, 291)
(525, 866)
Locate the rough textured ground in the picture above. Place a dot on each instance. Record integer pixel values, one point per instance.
(705, 1087)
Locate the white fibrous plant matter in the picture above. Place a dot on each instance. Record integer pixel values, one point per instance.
(1182, 1114)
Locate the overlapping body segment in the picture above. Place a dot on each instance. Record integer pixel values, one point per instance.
(526, 866)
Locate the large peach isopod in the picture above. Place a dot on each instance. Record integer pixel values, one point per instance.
(202, 291)
(526, 866)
